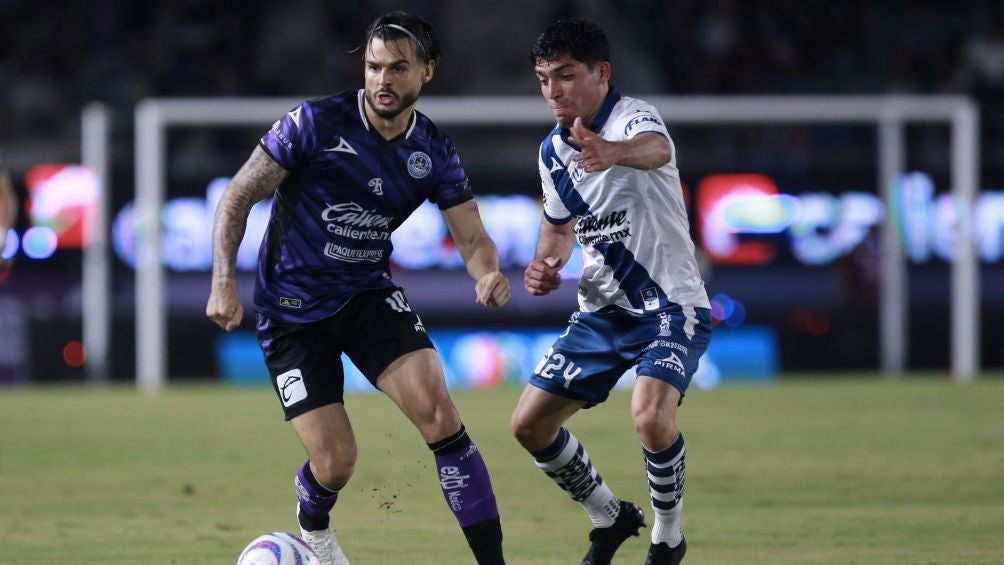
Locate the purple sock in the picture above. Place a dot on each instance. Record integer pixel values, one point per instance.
(316, 500)
(468, 492)
(464, 479)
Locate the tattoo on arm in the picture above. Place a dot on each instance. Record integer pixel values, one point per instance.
(255, 181)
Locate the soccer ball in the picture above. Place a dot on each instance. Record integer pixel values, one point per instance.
(278, 548)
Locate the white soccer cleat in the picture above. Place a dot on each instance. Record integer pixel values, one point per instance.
(324, 544)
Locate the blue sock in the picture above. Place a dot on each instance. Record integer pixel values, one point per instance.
(467, 489)
(666, 473)
(316, 500)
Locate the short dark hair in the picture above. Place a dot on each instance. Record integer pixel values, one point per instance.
(402, 25)
(579, 39)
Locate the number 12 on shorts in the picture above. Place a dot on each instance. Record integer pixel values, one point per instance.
(556, 362)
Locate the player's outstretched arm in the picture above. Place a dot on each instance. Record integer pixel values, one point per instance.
(645, 151)
(479, 253)
(255, 181)
(553, 249)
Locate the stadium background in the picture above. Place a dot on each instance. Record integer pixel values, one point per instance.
(55, 57)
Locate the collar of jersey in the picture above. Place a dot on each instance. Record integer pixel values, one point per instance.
(366, 121)
(601, 117)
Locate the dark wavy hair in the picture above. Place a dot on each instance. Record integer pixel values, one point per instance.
(579, 39)
(402, 25)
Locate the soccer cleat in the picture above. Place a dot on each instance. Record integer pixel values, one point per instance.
(605, 541)
(324, 544)
(662, 554)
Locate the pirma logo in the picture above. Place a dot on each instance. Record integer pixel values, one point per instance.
(672, 362)
(291, 387)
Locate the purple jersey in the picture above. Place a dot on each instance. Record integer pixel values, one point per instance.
(328, 236)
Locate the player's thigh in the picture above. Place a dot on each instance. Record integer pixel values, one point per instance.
(415, 383)
(584, 363)
(380, 327)
(304, 363)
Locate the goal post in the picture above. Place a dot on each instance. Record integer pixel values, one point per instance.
(889, 114)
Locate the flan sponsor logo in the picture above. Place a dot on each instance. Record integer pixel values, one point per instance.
(641, 118)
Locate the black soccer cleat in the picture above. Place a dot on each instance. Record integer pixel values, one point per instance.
(662, 554)
(605, 541)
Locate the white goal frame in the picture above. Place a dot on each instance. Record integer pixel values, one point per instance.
(889, 114)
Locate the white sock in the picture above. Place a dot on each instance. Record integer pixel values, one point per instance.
(667, 527)
(568, 465)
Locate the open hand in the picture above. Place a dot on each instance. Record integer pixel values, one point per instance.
(596, 154)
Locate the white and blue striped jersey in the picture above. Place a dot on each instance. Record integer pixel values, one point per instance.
(632, 224)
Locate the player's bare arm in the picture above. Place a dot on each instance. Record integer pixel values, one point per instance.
(8, 210)
(479, 253)
(553, 249)
(646, 151)
(255, 181)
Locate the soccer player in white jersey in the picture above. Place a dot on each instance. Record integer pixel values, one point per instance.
(610, 166)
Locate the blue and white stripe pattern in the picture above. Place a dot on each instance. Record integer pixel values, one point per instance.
(631, 224)
(567, 463)
(666, 472)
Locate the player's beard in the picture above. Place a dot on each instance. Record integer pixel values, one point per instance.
(405, 100)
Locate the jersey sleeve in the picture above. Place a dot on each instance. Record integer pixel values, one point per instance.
(452, 186)
(643, 118)
(292, 138)
(554, 209)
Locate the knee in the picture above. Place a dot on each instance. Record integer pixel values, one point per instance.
(334, 467)
(528, 433)
(656, 430)
(436, 420)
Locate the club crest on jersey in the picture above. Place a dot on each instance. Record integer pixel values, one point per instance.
(419, 165)
(650, 297)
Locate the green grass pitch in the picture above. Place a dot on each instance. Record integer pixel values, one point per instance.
(836, 471)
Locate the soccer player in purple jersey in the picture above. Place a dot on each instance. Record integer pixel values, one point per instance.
(610, 166)
(347, 170)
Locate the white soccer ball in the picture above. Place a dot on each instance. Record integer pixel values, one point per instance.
(278, 548)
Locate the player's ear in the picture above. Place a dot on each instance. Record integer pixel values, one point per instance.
(604, 69)
(430, 69)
